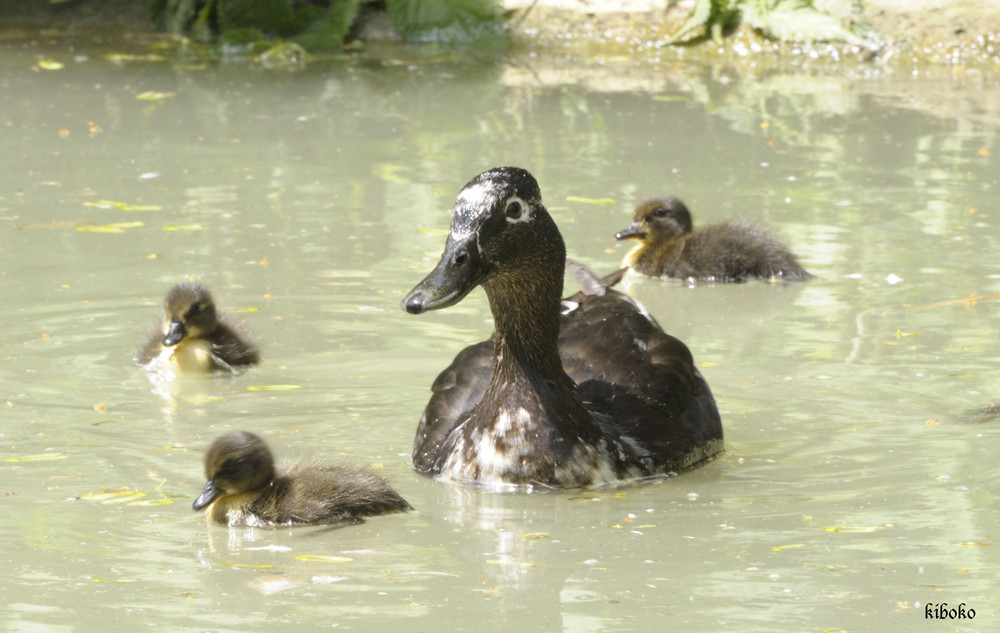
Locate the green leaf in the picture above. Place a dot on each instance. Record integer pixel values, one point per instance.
(114, 227)
(38, 457)
(323, 558)
(328, 29)
(795, 20)
(714, 15)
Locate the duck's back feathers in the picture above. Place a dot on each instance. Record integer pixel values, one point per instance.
(231, 348)
(454, 394)
(737, 251)
(320, 493)
(589, 281)
(627, 368)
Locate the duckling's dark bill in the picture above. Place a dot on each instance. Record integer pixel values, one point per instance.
(459, 270)
(208, 494)
(175, 334)
(634, 230)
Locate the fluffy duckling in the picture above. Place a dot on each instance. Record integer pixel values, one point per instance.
(194, 338)
(564, 394)
(245, 489)
(724, 251)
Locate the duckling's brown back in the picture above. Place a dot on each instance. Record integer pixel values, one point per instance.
(313, 492)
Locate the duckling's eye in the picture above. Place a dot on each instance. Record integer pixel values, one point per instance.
(514, 210)
(659, 213)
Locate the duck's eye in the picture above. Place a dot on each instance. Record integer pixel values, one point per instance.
(659, 213)
(514, 210)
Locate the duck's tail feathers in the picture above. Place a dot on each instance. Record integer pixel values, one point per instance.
(590, 283)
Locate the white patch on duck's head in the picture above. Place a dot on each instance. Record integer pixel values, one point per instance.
(472, 202)
(491, 191)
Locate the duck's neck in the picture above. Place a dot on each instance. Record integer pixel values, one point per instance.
(530, 391)
(526, 319)
(527, 325)
(530, 425)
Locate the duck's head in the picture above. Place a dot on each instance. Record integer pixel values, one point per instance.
(500, 231)
(658, 219)
(188, 312)
(236, 462)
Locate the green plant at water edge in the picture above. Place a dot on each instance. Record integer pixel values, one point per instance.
(446, 20)
(795, 20)
(325, 24)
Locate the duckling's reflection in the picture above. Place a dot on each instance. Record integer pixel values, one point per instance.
(742, 315)
(981, 415)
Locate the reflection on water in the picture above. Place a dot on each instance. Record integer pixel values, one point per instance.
(851, 492)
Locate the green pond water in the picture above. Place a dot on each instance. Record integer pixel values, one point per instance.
(855, 488)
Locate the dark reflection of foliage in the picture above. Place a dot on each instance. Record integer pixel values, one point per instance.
(325, 24)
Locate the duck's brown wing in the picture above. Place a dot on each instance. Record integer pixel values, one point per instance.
(456, 392)
(231, 347)
(626, 367)
(313, 492)
(737, 251)
(589, 282)
(151, 347)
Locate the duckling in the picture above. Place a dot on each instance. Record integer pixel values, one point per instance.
(725, 251)
(245, 489)
(564, 394)
(194, 338)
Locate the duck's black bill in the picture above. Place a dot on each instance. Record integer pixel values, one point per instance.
(174, 334)
(208, 494)
(633, 230)
(459, 270)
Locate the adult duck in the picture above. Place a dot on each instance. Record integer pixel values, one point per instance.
(596, 394)
(195, 338)
(244, 488)
(725, 251)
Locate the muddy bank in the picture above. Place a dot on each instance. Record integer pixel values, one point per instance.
(963, 33)
(901, 32)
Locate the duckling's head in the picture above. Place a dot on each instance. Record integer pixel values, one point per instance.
(500, 230)
(188, 312)
(236, 462)
(658, 219)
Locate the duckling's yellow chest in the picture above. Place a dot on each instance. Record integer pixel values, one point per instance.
(234, 510)
(189, 357)
(631, 258)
